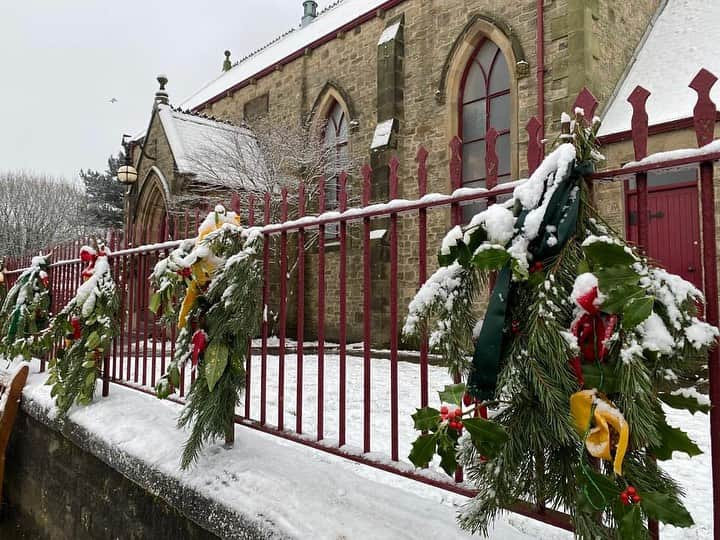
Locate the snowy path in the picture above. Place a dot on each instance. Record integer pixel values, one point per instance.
(694, 474)
(303, 492)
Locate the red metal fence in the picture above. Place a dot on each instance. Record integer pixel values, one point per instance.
(330, 414)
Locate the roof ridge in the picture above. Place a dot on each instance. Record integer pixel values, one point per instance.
(202, 116)
(272, 42)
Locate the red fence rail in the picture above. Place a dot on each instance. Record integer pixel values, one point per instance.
(140, 352)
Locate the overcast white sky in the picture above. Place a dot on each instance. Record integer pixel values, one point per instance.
(62, 61)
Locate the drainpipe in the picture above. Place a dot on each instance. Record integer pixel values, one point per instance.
(540, 48)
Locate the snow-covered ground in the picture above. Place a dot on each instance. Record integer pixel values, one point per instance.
(303, 492)
(146, 414)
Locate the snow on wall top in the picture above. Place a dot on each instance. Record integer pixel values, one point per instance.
(681, 42)
(333, 18)
(207, 147)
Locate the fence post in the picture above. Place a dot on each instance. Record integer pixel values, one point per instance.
(704, 123)
(421, 159)
(367, 309)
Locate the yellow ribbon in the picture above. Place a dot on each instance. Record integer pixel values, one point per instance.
(201, 270)
(589, 409)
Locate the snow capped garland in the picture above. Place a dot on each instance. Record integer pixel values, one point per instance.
(86, 326)
(25, 311)
(211, 288)
(3, 283)
(582, 343)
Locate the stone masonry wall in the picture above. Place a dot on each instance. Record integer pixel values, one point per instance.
(56, 491)
(582, 47)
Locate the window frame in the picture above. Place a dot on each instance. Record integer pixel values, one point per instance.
(488, 97)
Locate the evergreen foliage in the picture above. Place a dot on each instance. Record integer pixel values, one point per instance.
(86, 327)
(25, 311)
(217, 281)
(104, 195)
(587, 333)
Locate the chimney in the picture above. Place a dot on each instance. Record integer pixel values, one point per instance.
(310, 12)
(161, 96)
(227, 64)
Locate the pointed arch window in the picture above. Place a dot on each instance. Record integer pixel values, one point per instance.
(485, 103)
(338, 157)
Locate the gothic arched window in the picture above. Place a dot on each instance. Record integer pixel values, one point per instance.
(336, 143)
(485, 103)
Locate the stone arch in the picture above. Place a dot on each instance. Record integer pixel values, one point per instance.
(332, 93)
(152, 207)
(482, 27)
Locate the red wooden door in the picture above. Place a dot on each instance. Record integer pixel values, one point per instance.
(674, 229)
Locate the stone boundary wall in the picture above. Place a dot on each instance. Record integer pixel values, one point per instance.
(63, 482)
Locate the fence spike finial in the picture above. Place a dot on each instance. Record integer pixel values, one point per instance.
(535, 146)
(587, 102)
(639, 123)
(705, 110)
(394, 166)
(421, 158)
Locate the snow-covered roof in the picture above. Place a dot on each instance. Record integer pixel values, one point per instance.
(328, 21)
(682, 41)
(211, 149)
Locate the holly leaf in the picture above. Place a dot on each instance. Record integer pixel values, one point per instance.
(617, 298)
(673, 440)
(453, 393)
(491, 258)
(426, 419)
(684, 402)
(447, 451)
(663, 507)
(636, 311)
(631, 526)
(216, 357)
(605, 254)
(616, 276)
(423, 450)
(487, 436)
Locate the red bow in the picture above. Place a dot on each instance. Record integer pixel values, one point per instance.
(199, 341)
(592, 330)
(90, 256)
(77, 330)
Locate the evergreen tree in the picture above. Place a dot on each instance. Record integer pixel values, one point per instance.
(104, 195)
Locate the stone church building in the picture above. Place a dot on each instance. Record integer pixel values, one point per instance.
(378, 78)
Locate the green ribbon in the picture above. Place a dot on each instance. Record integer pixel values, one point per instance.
(562, 215)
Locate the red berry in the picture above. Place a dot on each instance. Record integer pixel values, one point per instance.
(624, 498)
(458, 412)
(631, 490)
(467, 399)
(636, 498)
(515, 327)
(537, 267)
(459, 426)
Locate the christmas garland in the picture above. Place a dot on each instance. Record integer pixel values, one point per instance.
(582, 344)
(3, 284)
(86, 326)
(218, 280)
(25, 311)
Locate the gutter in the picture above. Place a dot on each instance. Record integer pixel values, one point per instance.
(540, 49)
